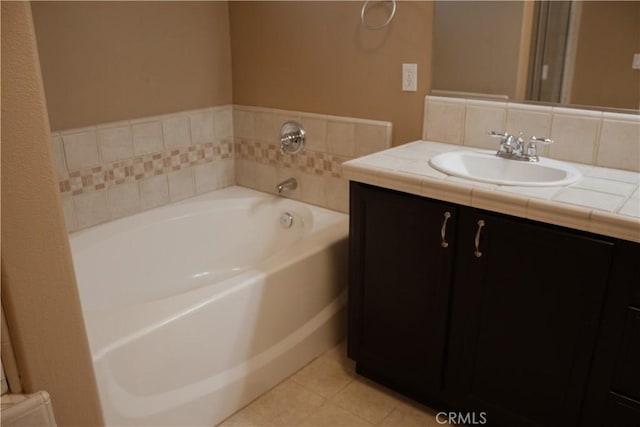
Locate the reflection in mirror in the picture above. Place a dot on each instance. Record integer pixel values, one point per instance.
(551, 54)
(578, 53)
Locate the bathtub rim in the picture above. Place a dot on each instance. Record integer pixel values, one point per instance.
(139, 219)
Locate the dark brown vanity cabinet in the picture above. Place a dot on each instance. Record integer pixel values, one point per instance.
(400, 270)
(613, 394)
(526, 322)
(524, 319)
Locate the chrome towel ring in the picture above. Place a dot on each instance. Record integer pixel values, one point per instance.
(363, 13)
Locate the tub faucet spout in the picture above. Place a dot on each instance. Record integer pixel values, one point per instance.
(288, 184)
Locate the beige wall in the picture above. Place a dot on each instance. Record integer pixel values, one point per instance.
(316, 57)
(39, 291)
(603, 74)
(108, 61)
(490, 64)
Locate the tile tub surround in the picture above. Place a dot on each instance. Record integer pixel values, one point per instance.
(330, 141)
(604, 201)
(583, 136)
(112, 170)
(116, 169)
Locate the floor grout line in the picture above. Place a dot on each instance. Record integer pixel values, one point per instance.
(358, 396)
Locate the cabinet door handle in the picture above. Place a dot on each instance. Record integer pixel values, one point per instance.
(477, 252)
(443, 230)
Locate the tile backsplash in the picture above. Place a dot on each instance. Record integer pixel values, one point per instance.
(117, 169)
(330, 140)
(112, 170)
(582, 136)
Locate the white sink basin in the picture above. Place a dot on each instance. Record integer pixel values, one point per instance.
(485, 166)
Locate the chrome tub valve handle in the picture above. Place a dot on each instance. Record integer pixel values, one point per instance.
(292, 138)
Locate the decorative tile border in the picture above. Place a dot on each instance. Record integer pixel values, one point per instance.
(330, 141)
(117, 169)
(142, 163)
(122, 168)
(143, 167)
(311, 162)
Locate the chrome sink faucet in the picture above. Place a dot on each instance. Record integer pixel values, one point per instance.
(513, 148)
(510, 146)
(287, 184)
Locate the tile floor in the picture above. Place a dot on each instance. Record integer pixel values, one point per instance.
(328, 393)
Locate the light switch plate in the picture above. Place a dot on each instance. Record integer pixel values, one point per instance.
(636, 61)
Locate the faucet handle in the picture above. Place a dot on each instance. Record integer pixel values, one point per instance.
(506, 142)
(531, 146)
(506, 138)
(292, 138)
(503, 135)
(532, 149)
(535, 140)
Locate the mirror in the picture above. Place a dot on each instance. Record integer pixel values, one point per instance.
(584, 54)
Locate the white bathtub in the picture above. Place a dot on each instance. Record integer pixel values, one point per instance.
(196, 308)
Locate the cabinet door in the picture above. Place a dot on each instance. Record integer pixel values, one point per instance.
(616, 368)
(525, 311)
(626, 378)
(399, 286)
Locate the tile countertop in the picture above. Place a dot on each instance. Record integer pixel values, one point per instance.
(604, 201)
